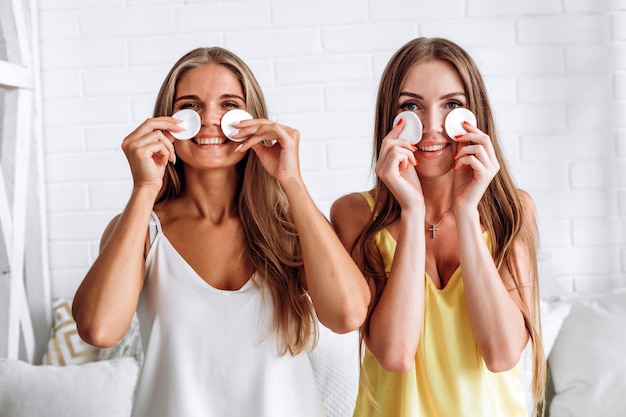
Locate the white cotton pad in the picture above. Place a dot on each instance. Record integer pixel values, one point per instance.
(190, 122)
(455, 119)
(233, 117)
(412, 131)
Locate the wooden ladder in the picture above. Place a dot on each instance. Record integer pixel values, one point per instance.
(25, 305)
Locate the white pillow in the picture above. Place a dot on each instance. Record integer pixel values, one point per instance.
(335, 362)
(588, 361)
(553, 313)
(97, 389)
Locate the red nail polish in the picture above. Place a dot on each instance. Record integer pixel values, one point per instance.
(400, 122)
(455, 155)
(458, 136)
(414, 148)
(466, 123)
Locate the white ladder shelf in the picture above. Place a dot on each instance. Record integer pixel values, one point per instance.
(25, 305)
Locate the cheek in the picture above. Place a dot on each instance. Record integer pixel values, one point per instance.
(179, 145)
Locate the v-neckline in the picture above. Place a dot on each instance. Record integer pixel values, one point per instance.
(161, 235)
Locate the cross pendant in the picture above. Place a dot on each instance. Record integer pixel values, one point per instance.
(433, 228)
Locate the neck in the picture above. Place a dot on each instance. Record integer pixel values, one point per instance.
(211, 194)
(437, 197)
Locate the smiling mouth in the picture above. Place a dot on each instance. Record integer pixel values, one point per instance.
(208, 141)
(432, 148)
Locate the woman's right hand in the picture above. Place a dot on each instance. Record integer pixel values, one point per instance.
(396, 168)
(148, 150)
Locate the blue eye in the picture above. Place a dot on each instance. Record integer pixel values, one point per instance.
(409, 106)
(190, 106)
(454, 105)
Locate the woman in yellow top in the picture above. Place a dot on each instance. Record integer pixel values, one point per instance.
(448, 244)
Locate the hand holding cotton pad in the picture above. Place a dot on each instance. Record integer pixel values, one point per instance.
(190, 121)
(231, 118)
(455, 119)
(412, 131)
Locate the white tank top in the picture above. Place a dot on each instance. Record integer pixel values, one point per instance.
(209, 352)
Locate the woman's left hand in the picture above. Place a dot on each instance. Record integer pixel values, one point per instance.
(476, 166)
(281, 158)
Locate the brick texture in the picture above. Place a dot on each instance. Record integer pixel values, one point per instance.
(554, 70)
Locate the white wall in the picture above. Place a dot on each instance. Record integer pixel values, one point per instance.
(555, 69)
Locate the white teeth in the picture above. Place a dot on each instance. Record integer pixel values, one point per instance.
(209, 141)
(432, 148)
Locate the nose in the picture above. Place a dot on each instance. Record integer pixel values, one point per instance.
(433, 120)
(211, 116)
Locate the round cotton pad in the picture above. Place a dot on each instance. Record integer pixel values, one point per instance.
(233, 117)
(455, 119)
(190, 122)
(412, 131)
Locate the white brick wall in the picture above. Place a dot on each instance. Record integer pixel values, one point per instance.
(555, 70)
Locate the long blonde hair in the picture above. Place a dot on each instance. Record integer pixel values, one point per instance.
(272, 244)
(501, 210)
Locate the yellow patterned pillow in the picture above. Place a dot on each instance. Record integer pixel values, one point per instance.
(65, 346)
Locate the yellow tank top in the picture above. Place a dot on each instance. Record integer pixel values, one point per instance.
(449, 377)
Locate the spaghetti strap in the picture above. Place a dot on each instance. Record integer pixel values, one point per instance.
(368, 197)
(154, 226)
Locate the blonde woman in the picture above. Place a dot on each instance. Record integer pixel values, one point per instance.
(224, 256)
(448, 245)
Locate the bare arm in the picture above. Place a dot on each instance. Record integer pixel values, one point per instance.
(106, 300)
(396, 321)
(334, 282)
(494, 305)
(336, 285)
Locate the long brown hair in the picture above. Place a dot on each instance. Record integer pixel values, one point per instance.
(272, 244)
(501, 209)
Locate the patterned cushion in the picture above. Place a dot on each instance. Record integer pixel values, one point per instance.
(65, 346)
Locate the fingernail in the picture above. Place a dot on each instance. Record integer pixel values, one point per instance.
(400, 122)
(455, 155)
(238, 147)
(458, 136)
(414, 148)
(466, 123)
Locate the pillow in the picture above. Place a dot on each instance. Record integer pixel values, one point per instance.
(553, 313)
(98, 389)
(65, 346)
(587, 362)
(335, 362)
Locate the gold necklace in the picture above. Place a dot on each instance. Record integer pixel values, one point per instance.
(435, 226)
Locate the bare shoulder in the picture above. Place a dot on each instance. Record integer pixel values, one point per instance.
(529, 235)
(526, 198)
(350, 208)
(349, 215)
(528, 205)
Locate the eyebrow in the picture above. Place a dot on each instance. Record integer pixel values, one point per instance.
(223, 96)
(449, 95)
